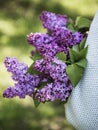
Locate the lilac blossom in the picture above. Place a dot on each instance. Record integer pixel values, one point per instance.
(17, 69)
(65, 38)
(54, 91)
(56, 69)
(25, 82)
(58, 39)
(77, 38)
(37, 39)
(52, 20)
(60, 88)
(40, 65)
(48, 51)
(44, 44)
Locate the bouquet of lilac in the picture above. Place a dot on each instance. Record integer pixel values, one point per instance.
(58, 60)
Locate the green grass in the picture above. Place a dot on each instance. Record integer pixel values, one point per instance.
(17, 19)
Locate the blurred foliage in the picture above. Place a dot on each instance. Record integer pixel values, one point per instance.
(17, 19)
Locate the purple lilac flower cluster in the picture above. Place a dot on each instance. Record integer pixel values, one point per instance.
(57, 39)
(44, 44)
(60, 87)
(60, 39)
(25, 82)
(51, 20)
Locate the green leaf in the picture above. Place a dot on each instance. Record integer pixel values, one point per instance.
(43, 84)
(82, 44)
(36, 56)
(68, 62)
(71, 27)
(74, 55)
(83, 52)
(82, 63)
(36, 103)
(75, 48)
(31, 70)
(71, 21)
(61, 56)
(82, 22)
(74, 73)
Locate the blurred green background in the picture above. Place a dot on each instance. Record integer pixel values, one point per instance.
(17, 19)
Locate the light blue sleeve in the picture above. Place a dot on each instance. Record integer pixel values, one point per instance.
(82, 107)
